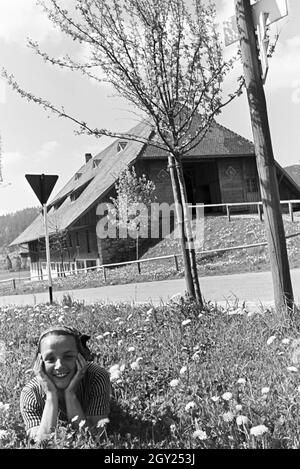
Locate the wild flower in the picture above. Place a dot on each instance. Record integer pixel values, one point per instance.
(99, 337)
(271, 339)
(265, 390)
(134, 365)
(238, 407)
(174, 383)
(190, 405)
(293, 369)
(102, 422)
(227, 396)
(228, 416)
(3, 434)
(285, 341)
(259, 430)
(241, 381)
(81, 424)
(215, 398)
(131, 349)
(115, 372)
(200, 434)
(242, 420)
(75, 418)
(183, 370)
(106, 334)
(186, 322)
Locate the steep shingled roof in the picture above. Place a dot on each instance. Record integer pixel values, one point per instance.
(63, 211)
(219, 141)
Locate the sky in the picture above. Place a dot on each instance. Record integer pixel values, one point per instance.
(36, 142)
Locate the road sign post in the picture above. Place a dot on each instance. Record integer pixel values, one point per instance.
(283, 292)
(42, 186)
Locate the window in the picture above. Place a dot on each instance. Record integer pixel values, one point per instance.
(96, 163)
(252, 185)
(77, 239)
(88, 241)
(121, 146)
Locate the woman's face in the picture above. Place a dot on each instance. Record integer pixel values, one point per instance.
(59, 354)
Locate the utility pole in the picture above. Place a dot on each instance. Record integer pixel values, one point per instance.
(283, 292)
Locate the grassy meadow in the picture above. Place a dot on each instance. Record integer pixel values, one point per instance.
(181, 378)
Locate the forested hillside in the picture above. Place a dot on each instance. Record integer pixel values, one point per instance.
(12, 224)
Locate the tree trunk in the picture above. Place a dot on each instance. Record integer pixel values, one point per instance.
(180, 220)
(188, 228)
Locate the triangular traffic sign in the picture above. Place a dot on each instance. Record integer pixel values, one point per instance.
(42, 185)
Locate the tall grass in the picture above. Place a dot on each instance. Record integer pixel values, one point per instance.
(220, 378)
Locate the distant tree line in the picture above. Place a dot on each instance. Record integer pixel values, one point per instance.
(12, 224)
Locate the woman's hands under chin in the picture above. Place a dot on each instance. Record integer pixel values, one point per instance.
(81, 364)
(47, 385)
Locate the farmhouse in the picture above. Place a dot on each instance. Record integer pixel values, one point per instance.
(220, 169)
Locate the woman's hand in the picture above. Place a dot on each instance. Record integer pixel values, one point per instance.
(47, 385)
(81, 369)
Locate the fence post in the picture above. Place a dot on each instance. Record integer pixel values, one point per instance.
(291, 211)
(228, 212)
(14, 283)
(259, 209)
(104, 274)
(139, 267)
(176, 262)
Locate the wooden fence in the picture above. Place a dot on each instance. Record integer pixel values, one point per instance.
(138, 263)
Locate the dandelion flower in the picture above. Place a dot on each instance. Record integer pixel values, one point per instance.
(174, 383)
(259, 430)
(183, 370)
(106, 334)
(241, 381)
(238, 407)
(285, 341)
(265, 390)
(3, 434)
(131, 349)
(215, 398)
(134, 365)
(271, 339)
(228, 416)
(102, 422)
(186, 322)
(190, 405)
(81, 424)
(292, 369)
(75, 418)
(122, 367)
(200, 434)
(227, 396)
(242, 420)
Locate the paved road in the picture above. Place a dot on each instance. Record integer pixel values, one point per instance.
(254, 288)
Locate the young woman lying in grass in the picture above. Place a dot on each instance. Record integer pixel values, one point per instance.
(67, 387)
